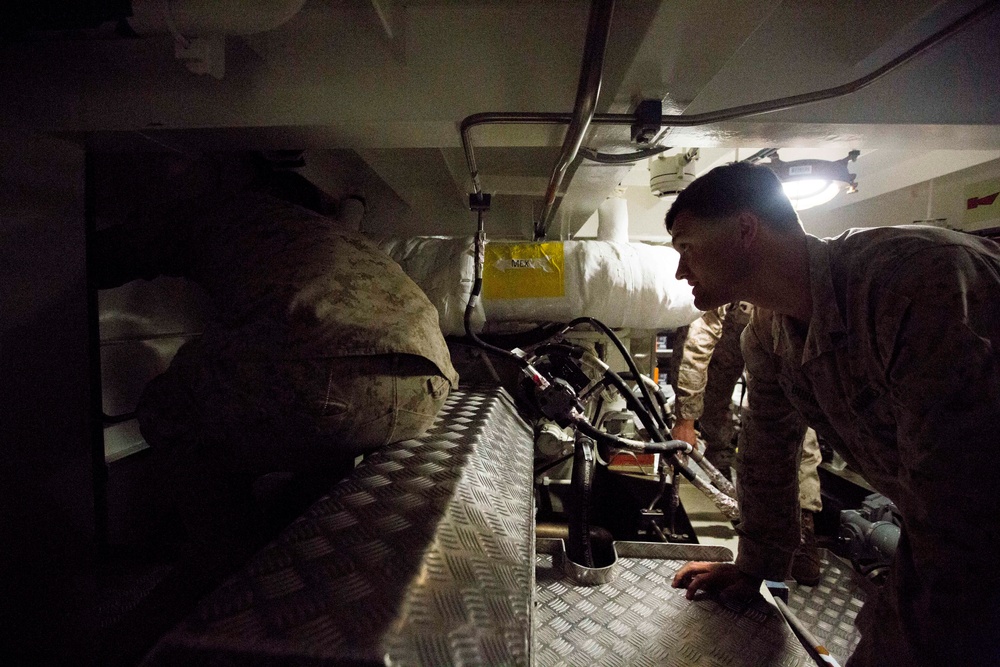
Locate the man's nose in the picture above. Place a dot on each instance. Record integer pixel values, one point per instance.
(682, 270)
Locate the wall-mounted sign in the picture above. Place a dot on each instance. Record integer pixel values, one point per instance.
(982, 205)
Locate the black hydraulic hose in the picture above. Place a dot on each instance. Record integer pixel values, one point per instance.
(579, 548)
(658, 393)
(671, 448)
(635, 405)
(524, 339)
(613, 378)
(622, 158)
(594, 322)
(668, 447)
(564, 347)
(725, 503)
(684, 470)
(477, 288)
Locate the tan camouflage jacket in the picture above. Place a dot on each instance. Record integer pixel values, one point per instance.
(702, 338)
(899, 370)
(285, 282)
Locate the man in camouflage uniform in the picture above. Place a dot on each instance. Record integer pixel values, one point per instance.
(710, 365)
(887, 342)
(321, 348)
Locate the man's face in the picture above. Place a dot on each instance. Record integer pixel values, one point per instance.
(711, 258)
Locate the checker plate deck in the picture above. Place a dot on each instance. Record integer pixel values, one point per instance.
(638, 620)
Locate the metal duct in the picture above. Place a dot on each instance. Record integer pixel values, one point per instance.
(587, 92)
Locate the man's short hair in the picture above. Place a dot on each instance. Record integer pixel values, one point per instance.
(736, 187)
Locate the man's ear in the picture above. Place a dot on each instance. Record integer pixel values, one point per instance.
(749, 228)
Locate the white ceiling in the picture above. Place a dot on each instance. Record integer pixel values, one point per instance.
(375, 91)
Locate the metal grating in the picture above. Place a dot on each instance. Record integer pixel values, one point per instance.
(423, 556)
(829, 608)
(638, 620)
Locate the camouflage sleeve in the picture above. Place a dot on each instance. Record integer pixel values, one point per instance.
(939, 331)
(768, 463)
(692, 373)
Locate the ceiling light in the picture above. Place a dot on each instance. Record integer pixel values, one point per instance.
(669, 174)
(809, 183)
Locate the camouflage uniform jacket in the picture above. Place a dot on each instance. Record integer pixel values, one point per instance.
(702, 338)
(900, 371)
(287, 285)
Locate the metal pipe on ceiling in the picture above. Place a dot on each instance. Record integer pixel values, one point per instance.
(587, 92)
(721, 115)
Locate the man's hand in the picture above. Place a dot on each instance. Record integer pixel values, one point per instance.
(684, 430)
(723, 578)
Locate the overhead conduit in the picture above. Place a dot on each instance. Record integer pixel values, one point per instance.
(597, 37)
(587, 92)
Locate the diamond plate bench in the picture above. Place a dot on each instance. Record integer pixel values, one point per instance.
(423, 556)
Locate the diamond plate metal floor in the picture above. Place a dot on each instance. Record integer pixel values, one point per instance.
(638, 620)
(829, 608)
(423, 556)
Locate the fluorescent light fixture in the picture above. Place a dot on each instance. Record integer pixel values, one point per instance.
(809, 183)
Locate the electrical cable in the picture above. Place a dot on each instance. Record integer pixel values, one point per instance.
(760, 155)
(523, 339)
(477, 288)
(621, 158)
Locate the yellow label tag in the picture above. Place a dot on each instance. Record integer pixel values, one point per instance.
(523, 271)
(982, 201)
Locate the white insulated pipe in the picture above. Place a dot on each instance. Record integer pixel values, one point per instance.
(625, 285)
(612, 220)
(197, 18)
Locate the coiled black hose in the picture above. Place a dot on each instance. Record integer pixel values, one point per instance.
(579, 549)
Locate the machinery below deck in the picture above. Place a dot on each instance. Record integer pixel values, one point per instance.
(426, 555)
